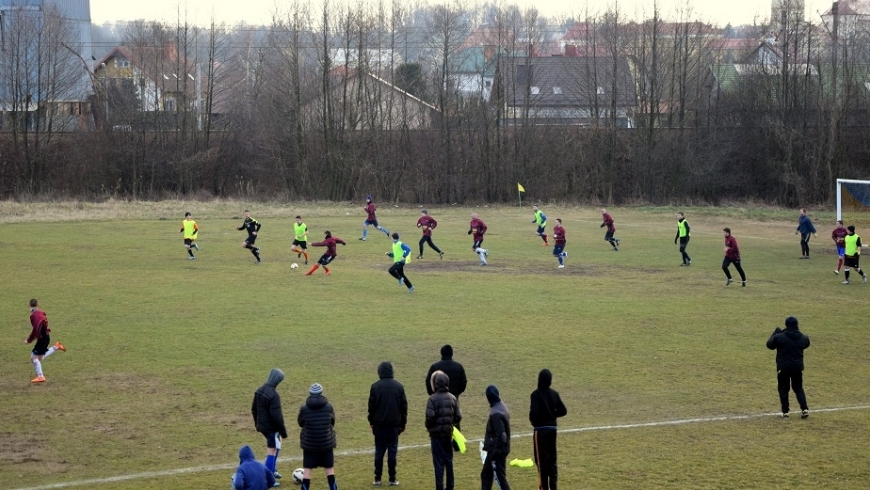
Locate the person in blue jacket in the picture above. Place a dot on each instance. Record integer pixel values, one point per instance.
(401, 255)
(252, 474)
(806, 229)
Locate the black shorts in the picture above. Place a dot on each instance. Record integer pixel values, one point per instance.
(318, 459)
(188, 241)
(271, 439)
(251, 239)
(372, 222)
(41, 346)
(852, 261)
(477, 244)
(325, 259)
(301, 244)
(609, 235)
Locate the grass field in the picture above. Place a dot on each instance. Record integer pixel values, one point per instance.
(164, 354)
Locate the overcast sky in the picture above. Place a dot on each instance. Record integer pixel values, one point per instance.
(718, 12)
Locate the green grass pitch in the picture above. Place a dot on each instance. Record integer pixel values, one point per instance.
(164, 353)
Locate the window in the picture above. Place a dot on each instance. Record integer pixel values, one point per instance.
(487, 83)
(557, 90)
(122, 63)
(600, 90)
(535, 90)
(169, 105)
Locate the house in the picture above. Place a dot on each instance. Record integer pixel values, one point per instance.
(364, 101)
(572, 90)
(474, 71)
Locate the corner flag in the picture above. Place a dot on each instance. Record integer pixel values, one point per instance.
(520, 190)
(520, 187)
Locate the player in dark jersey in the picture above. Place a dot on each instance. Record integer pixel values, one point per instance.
(839, 235)
(732, 256)
(329, 242)
(40, 333)
(477, 228)
(252, 226)
(427, 223)
(611, 229)
(371, 219)
(559, 243)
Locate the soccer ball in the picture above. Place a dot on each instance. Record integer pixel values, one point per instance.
(297, 476)
(294, 265)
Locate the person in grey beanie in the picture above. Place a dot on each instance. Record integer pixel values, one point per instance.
(789, 345)
(269, 418)
(317, 438)
(496, 442)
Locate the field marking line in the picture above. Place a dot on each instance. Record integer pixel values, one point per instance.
(358, 452)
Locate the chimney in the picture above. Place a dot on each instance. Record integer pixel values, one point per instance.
(571, 50)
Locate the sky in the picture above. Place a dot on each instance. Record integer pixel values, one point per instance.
(718, 12)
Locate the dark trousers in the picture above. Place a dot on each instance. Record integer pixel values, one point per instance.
(398, 271)
(386, 441)
(428, 239)
(545, 458)
(494, 469)
(727, 262)
(442, 460)
(684, 242)
(795, 378)
(805, 244)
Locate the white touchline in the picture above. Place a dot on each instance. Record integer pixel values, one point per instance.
(357, 452)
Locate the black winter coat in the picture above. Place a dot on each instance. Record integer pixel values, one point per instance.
(497, 438)
(317, 418)
(442, 409)
(266, 409)
(546, 404)
(454, 371)
(388, 405)
(789, 345)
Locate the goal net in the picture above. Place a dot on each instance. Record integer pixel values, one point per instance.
(853, 204)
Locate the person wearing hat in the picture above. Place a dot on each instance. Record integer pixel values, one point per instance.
(371, 219)
(317, 438)
(331, 253)
(427, 223)
(189, 228)
(789, 345)
(496, 442)
(269, 418)
(454, 371)
(442, 415)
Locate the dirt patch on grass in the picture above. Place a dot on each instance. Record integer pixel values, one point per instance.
(17, 449)
(508, 268)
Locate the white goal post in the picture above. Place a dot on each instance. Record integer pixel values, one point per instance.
(859, 189)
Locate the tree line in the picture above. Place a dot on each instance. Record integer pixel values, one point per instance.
(326, 103)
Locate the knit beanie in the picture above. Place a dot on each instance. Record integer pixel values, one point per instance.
(791, 322)
(315, 389)
(447, 351)
(492, 395)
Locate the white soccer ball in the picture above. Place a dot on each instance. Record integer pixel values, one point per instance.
(294, 265)
(297, 476)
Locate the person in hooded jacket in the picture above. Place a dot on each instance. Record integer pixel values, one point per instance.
(546, 406)
(252, 474)
(388, 416)
(317, 438)
(454, 371)
(269, 418)
(789, 345)
(496, 442)
(442, 414)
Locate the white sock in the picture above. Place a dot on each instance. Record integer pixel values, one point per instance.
(49, 352)
(37, 366)
(480, 254)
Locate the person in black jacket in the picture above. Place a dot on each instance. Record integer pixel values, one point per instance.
(317, 438)
(546, 406)
(269, 419)
(454, 371)
(388, 416)
(789, 345)
(496, 442)
(442, 413)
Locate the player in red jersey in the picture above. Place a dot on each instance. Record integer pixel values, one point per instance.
(427, 223)
(478, 228)
(329, 242)
(611, 229)
(839, 236)
(559, 246)
(40, 333)
(371, 219)
(732, 256)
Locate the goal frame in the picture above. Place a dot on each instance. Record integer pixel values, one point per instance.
(840, 183)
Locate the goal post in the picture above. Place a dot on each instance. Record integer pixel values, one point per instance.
(853, 196)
